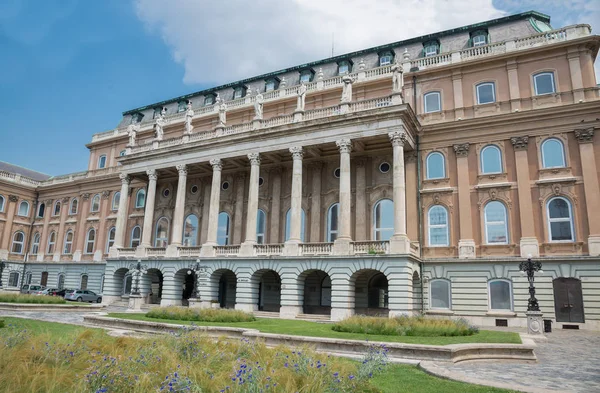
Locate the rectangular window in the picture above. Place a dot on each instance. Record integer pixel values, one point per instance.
(544, 83)
(344, 67)
(181, 106)
(102, 162)
(479, 40)
(385, 60)
(486, 93)
(270, 85)
(305, 77)
(238, 92)
(209, 100)
(432, 102)
(431, 49)
(13, 279)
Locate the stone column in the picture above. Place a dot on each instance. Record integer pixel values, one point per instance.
(529, 242)
(291, 247)
(275, 177)
(149, 209)
(342, 297)
(360, 221)
(213, 214)
(179, 212)
(247, 248)
(466, 243)
(80, 233)
(122, 212)
(60, 239)
(399, 243)
(43, 238)
(238, 215)
(7, 234)
(101, 233)
(171, 291)
(591, 188)
(291, 300)
(342, 243)
(315, 203)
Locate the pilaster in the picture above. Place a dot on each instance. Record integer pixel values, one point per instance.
(585, 137)
(341, 245)
(213, 217)
(466, 243)
(315, 202)
(360, 221)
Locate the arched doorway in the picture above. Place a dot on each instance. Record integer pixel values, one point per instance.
(122, 282)
(151, 286)
(224, 285)
(370, 293)
(316, 285)
(184, 285)
(269, 290)
(189, 288)
(568, 300)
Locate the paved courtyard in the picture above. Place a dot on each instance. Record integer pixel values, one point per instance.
(568, 362)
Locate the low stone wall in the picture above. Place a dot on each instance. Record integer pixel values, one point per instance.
(50, 307)
(397, 351)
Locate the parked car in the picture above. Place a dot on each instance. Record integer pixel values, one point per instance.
(46, 291)
(80, 295)
(31, 288)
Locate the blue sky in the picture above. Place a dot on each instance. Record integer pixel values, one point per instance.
(69, 68)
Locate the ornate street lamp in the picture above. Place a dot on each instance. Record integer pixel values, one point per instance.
(2, 266)
(138, 270)
(196, 269)
(529, 267)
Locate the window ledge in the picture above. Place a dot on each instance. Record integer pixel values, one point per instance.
(569, 179)
(492, 185)
(500, 313)
(439, 312)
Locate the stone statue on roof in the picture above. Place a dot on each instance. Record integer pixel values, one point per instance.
(258, 105)
(301, 97)
(132, 130)
(160, 123)
(347, 88)
(222, 112)
(189, 115)
(397, 77)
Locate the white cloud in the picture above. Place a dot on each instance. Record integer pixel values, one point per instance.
(223, 41)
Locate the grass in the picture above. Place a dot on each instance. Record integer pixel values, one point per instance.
(313, 329)
(50, 357)
(30, 299)
(405, 326)
(200, 315)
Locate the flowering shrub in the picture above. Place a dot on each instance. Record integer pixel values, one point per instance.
(200, 315)
(19, 298)
(405, 326)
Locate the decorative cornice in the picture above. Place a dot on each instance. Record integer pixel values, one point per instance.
(13, 198)
(520, 142)
(345, 145)
(461, 149)
(297, 152)
(85, 196)
(398, 137)
(66, 200)
(585, 136)
(216, 164)
(254, 158)
(105, 194)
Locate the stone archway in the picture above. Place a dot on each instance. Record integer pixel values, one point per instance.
(316, 292)
(267, 290)
(370, 292)
(223, 288)
(184, 284)
(151, 286)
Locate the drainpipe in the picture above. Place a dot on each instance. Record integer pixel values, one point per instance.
(419, 218)
(33, 215)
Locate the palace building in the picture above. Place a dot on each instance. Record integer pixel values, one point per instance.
(412, 177)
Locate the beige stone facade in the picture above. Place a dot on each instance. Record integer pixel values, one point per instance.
(378, 191)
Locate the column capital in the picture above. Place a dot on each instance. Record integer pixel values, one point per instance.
(105, 194)
(585, 136)
(254, 158)
(216, 164)
(13, 198)
(461, 149)
(397, 137)
(125, 179)
(152, 175)
(66, 200)
(85, 196)
(520, 142)
(297, 152)
(345, 145)
(182, 169)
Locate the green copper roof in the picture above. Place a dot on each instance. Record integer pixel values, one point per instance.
(523, 15)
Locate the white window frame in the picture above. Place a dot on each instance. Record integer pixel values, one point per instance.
(51, 243)
(116, 200)
(110, 242)
(429, 45)
(486, 222)
(133, 238)
(570, 219)
(74, 202)
(535, 85)
(432, 93)
(270, 85)
(156, 238)
(482, 161)
(88, 241)
(564, 158)
(57, 205)
(480, 43)
(35, 245)
(479, 96)
(40, 206)
(95, 198)
(261, 232)
(14, 243)
(329, 231)
(26, 213)
(385, 59)
(303, 75)
(430, 226)
(102, 161)
(511, 294)
(2, 203)
(346, 64)
(434, 153)
(377, 229)
(449, 294)
(67, 242)
(137, 196)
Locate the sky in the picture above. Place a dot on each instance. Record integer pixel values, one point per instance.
(69, 68)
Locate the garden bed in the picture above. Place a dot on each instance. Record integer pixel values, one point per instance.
(30, 299)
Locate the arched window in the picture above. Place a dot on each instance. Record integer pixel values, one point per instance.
(560, 220)
(95, 205)
(432, 102)
(383, 220)
(110, 239)
(140, 199)
(115, 201)
(24, 209)
(288, 223)
(1, 203)
(68, 246)
(440, 295)
(486, 93)
(162, 232)
(51, 243)
(500, 295)
(136, 236)
(102, 161)
(73, 207)
(544, 83)
(190, 231)
(13, 279)
(35, 246)
(18, 242)
(496, 223)
(223, 229)
(84, 282)
(60, 281)
(553, 154)
(41, 210)
(261, 224)
(56, 210)
(436, 166)
(438, 226)
(332, 222)
(491, 160)
(90, 241)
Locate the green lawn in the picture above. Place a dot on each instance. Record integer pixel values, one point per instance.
(394, 379)
(314, 329)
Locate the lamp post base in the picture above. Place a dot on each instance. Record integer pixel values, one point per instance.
(135, 302)
(535, 323)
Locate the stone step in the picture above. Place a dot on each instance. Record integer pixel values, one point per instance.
(314, 317)
(266, 314)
